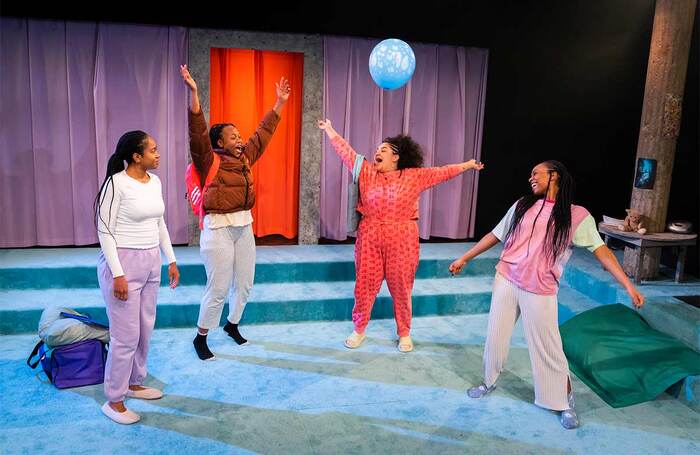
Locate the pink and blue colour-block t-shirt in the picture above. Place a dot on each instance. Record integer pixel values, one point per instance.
(527, 266)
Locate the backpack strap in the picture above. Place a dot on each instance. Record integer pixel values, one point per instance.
(85, 319)
(210, 178)
(212, 170)
(35, 351)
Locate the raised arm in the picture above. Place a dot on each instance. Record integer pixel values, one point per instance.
(258, 142)
(340, 145)
(195, 107)
(200, 145)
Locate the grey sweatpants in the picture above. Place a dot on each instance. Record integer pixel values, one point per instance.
(228, 254)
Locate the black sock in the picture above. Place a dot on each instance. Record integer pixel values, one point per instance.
(232, 330)
(200, 345)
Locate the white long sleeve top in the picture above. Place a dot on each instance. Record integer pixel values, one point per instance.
(131, 216)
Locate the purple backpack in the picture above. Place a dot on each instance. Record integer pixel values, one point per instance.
(72, 365)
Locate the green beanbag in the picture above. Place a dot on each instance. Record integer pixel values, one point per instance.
(621, 358)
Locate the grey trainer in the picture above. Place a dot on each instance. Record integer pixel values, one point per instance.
(569, 419)
(480, 391)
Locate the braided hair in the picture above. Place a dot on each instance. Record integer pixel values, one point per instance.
(559, 223)
(130, 143)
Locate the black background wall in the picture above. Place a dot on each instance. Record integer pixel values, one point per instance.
(566, 81)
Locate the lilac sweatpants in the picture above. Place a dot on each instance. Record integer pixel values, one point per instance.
(131, 321)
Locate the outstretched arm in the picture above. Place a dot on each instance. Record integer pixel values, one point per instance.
(498, 234)
(586, 236)
(609, 261)
(486, 243)
(431, 176)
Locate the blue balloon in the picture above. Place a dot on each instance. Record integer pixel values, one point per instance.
(392, 63)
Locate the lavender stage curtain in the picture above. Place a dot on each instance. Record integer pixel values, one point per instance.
(442, 108)
(69, 91)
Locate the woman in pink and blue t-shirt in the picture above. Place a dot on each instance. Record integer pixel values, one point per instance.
(537, 232)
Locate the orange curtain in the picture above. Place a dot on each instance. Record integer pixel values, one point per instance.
(242, 90)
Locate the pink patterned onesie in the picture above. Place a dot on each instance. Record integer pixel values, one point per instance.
(387, 238)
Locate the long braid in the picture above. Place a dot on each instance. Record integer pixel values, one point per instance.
(544, 200)
(128, 144)
(559, 225)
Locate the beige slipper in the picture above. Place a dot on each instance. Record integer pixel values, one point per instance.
(405, 344)
(355, 340)
(125, 418)
(147, 393)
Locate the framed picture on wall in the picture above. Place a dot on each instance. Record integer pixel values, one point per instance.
(646, 174)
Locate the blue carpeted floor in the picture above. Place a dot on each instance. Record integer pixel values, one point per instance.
(296, 389)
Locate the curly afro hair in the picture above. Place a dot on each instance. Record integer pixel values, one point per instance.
(409, 151)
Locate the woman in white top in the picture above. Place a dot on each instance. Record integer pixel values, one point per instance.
(129, 217)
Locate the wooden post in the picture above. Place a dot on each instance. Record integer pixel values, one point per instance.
(680, 263)
(661, 120)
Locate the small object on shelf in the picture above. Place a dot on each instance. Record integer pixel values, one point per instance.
(634, 222)
(680, 227)
(612, 221)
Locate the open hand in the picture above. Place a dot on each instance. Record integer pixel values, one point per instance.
(187, 77)
(283, 89)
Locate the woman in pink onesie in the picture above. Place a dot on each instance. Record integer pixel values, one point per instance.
(387, 238)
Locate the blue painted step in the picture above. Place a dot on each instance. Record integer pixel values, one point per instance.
(273, 302)
(76, 269)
